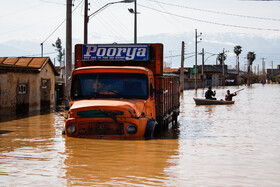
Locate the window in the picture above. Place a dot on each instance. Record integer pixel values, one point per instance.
(22, 88)
(44, 83)
(110, 85)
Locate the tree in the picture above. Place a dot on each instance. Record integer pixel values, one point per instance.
(251, 56)
(221, 58)
(61, 52)
(276, 79)
(237, 50)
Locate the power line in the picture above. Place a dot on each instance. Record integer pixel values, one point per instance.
(178, 55)
(216, 12)
(174, 22)
(119, 30)
(40, 54)
(123, 30)
(172, 56)
(210, 22)
(186, 57)
(35, 54)
(51, 2)
(21, 10)
(61, 23)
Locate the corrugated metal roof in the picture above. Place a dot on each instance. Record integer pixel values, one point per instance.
(170, 70)
(33, 63)
(2, 59)
(10, 61)
(37, 62)
(24, 61)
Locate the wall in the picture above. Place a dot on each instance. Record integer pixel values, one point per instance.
(10, 99)
(47, 73)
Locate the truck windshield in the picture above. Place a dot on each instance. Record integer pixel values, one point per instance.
(109, 85)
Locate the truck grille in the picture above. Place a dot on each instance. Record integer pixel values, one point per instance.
(100, 129)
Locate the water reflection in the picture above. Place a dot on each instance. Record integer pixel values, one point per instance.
(234, 145)
(118, 162)
(32, 152)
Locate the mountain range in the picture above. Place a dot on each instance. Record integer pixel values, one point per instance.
(213, 43)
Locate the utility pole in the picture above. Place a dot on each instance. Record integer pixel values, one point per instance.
(86, 22)
(135, 22)
(170, 59)
(182, 67)
(223, 67)
(42, 51)
(195, 67)
(272, 68)
(238, 70)
(263, 65)
(68, 50)
(263, 70)
(202, 68)
(196, 36)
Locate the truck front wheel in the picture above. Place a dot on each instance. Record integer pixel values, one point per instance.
(151, 124)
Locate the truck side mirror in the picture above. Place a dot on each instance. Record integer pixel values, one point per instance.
(151, 90)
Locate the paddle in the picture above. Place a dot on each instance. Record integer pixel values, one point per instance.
(239, 90)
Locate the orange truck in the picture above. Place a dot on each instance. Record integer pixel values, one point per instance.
(119, 91)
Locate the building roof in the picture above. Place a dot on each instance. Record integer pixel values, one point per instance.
(171, 70)
(35, 64)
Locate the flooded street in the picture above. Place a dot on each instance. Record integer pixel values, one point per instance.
(223, 145)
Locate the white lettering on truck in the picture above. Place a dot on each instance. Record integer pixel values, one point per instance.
(128, 53)
(130, 56)
(111, 52)
(90, 50)
(120, 50)
(141, 52)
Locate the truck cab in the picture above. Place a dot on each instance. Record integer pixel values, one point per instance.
(112, 103)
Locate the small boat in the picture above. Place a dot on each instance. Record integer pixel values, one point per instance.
(211, 102)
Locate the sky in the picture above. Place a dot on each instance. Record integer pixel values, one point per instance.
(252, 24)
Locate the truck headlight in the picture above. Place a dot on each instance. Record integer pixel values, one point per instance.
(71, 129)
(131, 129)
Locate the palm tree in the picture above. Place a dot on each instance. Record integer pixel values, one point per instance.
(221, 58)
(237, 50)
(251, 56)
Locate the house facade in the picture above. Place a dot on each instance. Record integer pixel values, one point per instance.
(26, 84)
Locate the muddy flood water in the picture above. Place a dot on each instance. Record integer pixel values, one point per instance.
(234, 145)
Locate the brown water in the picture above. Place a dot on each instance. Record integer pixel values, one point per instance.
(234, 145)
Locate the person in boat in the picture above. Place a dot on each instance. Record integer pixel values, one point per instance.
(209, 94)
(229, 96)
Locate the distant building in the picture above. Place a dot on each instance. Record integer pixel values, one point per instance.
(272, 72)
(26, 84)
(60, 85)
(207, 75)
(231, 78)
